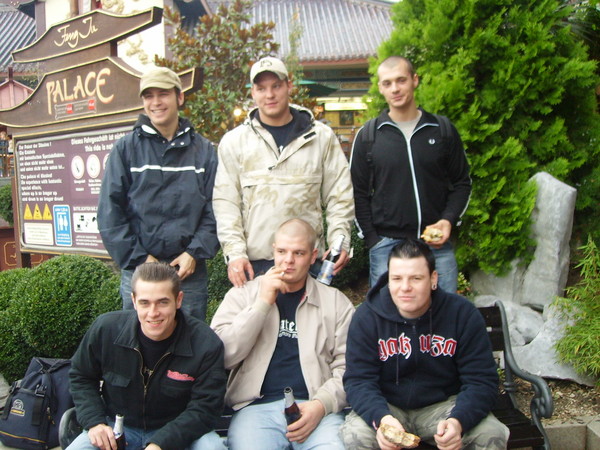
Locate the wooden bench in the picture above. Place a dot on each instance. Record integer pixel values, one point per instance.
(525, 431)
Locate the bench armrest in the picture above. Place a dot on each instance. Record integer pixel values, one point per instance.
(542, 404)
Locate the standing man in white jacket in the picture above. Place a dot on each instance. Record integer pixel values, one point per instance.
(279, 164)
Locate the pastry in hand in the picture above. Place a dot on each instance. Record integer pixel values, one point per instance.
(399, 437)
(432, 235)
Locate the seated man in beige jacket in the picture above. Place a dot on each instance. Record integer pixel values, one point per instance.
(284, 329)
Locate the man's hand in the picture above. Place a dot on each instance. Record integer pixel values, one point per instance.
(384, 444)
(186, 263)
(446, 227)
(271, 284)
(340, 263)
(448, 435)
(311, 414)
(236, 271)
(103, 437)
(152, 446)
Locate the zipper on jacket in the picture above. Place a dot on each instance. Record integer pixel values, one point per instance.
(147, 383)
(412, 170)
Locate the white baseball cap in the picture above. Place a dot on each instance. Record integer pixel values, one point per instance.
(268, 64)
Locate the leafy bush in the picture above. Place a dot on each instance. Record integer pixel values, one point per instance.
(218, 283)
(8, 280)
(15, 353)
(580, 345)
(51, 307)
(6, 208)
(357, 268)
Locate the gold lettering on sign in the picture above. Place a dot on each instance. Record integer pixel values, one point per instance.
(71, 38)
(86, 86)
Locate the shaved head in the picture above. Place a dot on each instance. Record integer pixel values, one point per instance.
(297, 228)
(393, 61)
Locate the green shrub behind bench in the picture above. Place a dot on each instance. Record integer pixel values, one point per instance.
(50, 307)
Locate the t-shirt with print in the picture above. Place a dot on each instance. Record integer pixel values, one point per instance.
(284, 369)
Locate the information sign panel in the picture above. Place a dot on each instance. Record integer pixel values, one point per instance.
(59, 185)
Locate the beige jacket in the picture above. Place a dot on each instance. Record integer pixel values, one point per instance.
(249, 327)
(257, 188)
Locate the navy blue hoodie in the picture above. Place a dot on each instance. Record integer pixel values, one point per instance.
(415, 363)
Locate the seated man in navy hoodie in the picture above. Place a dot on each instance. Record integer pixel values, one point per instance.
(419, 359)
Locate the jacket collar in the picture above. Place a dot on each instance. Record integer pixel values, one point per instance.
(144, 127)
(311, 291)
(302, 115)
(426, 119)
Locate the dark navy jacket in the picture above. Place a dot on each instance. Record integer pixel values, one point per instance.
(183, 397)
(412, 364)
(156, 196)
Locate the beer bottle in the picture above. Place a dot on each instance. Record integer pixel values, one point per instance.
(292, 412)
(119, 432)
(326, 272)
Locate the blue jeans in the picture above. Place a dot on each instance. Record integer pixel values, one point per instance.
(263, 426)
(445, 263)
(194, 287)
(136, 438)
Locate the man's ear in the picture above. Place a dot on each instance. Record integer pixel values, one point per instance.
(179, 299)
(315, 253)
(133, 301)
(434, 279)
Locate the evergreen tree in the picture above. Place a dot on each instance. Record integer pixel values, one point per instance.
(225, 45)
(519, 86)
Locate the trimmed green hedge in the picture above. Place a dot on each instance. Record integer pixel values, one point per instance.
(50, 307)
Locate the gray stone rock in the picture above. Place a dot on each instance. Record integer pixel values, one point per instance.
(539, 356)
(545, 277)
(524, 324)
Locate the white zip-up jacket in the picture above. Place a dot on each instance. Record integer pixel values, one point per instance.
(257, 187)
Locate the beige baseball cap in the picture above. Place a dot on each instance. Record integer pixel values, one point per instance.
(160, 77)
(268, 64)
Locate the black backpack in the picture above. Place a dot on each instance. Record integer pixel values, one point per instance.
(368, 138)
(35, 405)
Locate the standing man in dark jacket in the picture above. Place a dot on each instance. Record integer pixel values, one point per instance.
(158, 367)
(419, 358)
(414, 175)
(156, 196)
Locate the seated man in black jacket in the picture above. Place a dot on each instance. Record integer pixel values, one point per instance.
(158, 367)
(419, 359)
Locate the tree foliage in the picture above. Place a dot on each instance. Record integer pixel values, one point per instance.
(6, 205)
(225, 46)
(519, 86)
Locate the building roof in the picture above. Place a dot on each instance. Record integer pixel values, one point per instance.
(334, 31)
(17, 30)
